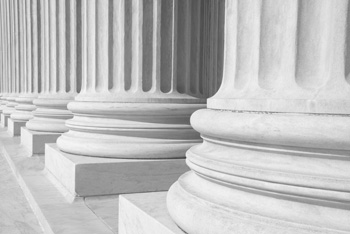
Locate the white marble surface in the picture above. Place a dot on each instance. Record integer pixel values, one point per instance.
(55, 213)
(16, 216)
(106, 208)
(35, 141)
(14, 127)
(145, 213)
(4, 120)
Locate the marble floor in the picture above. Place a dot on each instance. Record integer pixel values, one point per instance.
(16, 215)
(54, 207)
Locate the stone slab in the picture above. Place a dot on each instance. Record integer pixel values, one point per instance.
(145, 213)
(54, 211)
(4, 120)
(35, 141)
(106, 208)
(14, 127)
(91, 176)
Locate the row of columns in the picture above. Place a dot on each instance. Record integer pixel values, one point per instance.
(120, 79)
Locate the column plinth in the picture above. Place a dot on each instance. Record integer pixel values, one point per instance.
(275, 151)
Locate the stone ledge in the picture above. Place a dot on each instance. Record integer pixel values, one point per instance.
(91, 176)
(54, 212)
(35, 141)
(145, 213)
(14, 127)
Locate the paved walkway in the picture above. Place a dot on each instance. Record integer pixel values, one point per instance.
(16, 216)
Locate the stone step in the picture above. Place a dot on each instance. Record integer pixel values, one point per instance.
(55, 212)
(145, 213)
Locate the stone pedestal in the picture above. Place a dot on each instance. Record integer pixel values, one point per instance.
(35, 141)
(145, 213)
(14, 127)
(91, 176)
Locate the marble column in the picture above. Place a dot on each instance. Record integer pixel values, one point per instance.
(1, 52)
(4, 61)
(13, 61)
(141, 80)
(142, 77)
(28, 66)
(58, 79)
(275, 156)
(60, 89)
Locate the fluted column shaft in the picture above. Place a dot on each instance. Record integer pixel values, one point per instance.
(137, 93)
(14, 58)
(29, 74)
(275, 156)
(2, 52)
(3, 55)
(6, 60)
(59, 87)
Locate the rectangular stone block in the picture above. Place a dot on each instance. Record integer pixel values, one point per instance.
(145, 213)
(91, 176)
(14, 127)
(4, 120)
(35, 141)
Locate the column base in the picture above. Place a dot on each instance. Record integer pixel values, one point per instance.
(148, 211)
(14, 127)
(4, 120)
(35, 141)
(91, 176)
